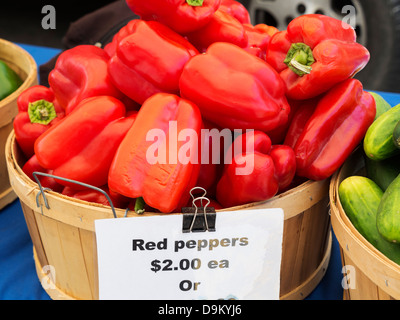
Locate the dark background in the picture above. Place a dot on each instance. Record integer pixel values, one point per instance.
(22, 22)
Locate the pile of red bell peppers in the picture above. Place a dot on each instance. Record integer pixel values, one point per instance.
(198, 64)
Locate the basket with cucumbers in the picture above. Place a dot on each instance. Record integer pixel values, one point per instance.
(372, 201)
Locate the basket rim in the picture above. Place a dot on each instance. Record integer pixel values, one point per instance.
(31, 191)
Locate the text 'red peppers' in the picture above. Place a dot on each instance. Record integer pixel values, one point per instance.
(179, 15)
(148, 60)
(337, 126)
(82, 146)
(315, 53)
(80, 73)
(162, 181)
(37, 111)
(234, 89)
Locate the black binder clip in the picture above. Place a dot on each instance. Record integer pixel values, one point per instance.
(199, 219)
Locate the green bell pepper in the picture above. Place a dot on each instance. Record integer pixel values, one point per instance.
(9, 80)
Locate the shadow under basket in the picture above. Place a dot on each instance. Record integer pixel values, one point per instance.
(370, 274)
(63, 236)
(25, 67)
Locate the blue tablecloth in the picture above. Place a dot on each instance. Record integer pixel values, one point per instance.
(18, 278)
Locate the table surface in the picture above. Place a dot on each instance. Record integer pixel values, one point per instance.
(18, 278)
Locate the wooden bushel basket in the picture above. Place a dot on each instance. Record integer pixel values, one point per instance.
(64, 239)
(370, 274)
(23, 64)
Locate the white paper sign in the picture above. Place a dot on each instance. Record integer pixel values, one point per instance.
(151, 258)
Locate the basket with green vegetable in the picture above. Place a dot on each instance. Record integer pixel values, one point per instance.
(365, 214)
(18, 71)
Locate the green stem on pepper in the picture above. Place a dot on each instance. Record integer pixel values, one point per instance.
(139, 205)
(41, 111)
(195, 3)
(299, 59)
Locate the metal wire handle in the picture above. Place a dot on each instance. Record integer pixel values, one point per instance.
(192, 195)
(204, 212)
(46, 203)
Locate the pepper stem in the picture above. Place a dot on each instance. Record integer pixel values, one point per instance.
(195, 3)
(41, 111)
(299, 59)
(300, 67)
(139, 205)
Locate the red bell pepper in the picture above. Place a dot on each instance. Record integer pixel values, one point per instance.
(304, 111)
(179, 15)
(236, 10)
(211, 159)
(278, 135)
(259, 37)
(250, 176)
(283, 156)
(248, 142)
(284, 160)
(82, 146)
(315, 53)
(80, 73)
(111, 47)
(96, 196)
(37, 111)
(222, 28)
(152, 170)
(234, 89)
(149, 60)
(337, 126)
(32, 165)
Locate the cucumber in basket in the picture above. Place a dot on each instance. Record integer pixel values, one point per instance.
(396, 135)
(388, 218)
(360, 198)
(383, 172)
(378, 141)
(381, 104)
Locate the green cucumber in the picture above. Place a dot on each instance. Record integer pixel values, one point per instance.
(378, 141)
(383, 172)
(396, 135)
(388, 218)
(381, 104)
(360, 198)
